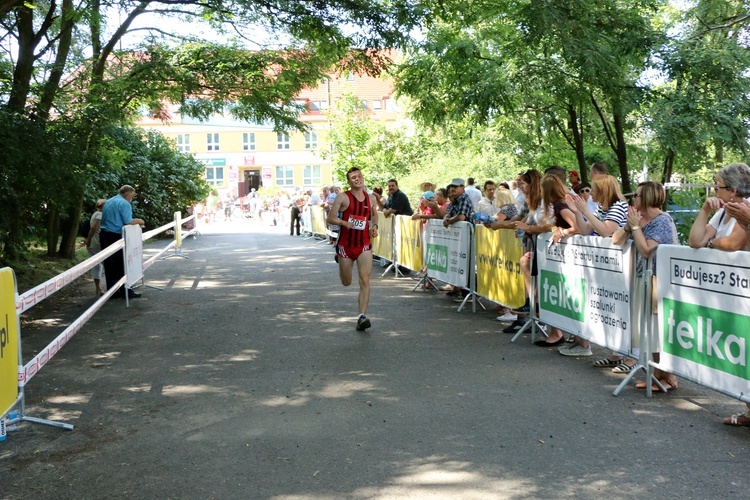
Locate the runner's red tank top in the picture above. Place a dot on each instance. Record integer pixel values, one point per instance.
(359, 213)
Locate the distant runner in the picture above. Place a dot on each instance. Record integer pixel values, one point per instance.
(358, 222)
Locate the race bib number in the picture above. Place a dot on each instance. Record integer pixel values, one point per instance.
(358, 223)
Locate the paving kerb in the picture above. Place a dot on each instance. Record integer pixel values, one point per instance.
(245, 378)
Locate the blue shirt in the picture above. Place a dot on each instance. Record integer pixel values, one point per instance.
(116, 214)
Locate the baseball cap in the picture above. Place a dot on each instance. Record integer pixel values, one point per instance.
(457, 182)
(428, 195)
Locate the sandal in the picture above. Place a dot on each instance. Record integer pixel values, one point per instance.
(623, 368)
(667, 386)
(739, 420)
(608, 363)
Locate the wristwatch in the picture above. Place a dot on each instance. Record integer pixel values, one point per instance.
(710, 243)
(635, 228)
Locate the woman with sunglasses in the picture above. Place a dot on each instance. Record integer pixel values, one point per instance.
(721, 232)
(648, 227)
(732, 189)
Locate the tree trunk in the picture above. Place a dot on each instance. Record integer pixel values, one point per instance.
(69, 229)
(620, 146)
(718, 153)
(53, 231)
(52, 86)
(668, 165)
(24, 67)
(573, 123)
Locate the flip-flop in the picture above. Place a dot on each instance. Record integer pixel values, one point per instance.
(739, 420)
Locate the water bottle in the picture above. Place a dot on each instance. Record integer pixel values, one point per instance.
(3, 437)
(481, 218)
(520, 234)
(11, 417)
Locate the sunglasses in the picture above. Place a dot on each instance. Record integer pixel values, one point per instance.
(585, 190)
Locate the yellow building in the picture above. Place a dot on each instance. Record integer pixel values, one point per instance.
(239, 155)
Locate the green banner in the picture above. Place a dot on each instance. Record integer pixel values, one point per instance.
(710, 337)
(563, 295)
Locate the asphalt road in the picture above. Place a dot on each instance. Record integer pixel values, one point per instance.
(244, 378)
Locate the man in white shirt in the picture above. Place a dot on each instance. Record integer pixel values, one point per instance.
(486, 204)
(474, 194)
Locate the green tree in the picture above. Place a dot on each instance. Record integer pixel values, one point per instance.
(50, 80)
(700, 111)
(551, 62)
(355, 140)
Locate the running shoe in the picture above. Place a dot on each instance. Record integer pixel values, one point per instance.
(363, 323)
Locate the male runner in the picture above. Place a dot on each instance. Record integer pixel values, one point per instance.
(355, 212)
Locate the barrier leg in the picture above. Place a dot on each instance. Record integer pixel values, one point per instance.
(476, 299)
(424, 279)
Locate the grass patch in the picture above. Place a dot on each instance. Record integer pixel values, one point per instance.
(36, 267)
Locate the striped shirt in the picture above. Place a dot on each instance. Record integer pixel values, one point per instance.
(358, 212)
(617, 213)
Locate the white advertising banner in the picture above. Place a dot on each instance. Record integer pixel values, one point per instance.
(584, 287)
(133, 253)
(448, 254)
(704, 313)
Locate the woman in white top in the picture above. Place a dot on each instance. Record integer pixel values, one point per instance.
(94, 247)
(726, 229)
(721, 232)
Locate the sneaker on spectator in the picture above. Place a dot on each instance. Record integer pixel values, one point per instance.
(524, 309)
(508, 316)
(574, 350)
(460, 298)
(515, 326)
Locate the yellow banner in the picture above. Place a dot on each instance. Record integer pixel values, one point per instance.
(8, 340)
(382, 246)
(409, 243)
(318, 220)
(498, 266)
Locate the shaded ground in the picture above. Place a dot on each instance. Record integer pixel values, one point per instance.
(244, 378)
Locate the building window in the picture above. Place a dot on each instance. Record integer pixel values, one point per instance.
(376, 104)
(311, 175)
(390, 105)
(350, 77)
(212, 142)
(183, 143)
(282, 140)
(284, 176)
(215, 176)
(311, 140)
(248, 141)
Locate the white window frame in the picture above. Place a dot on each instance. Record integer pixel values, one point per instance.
(248, 141)
(283, 140)
(287, 175)
(312, 175)
(183, 143)
(212, 178)
(212, 141)
(311, 140)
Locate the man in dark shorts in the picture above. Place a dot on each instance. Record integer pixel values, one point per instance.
(355, 212)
